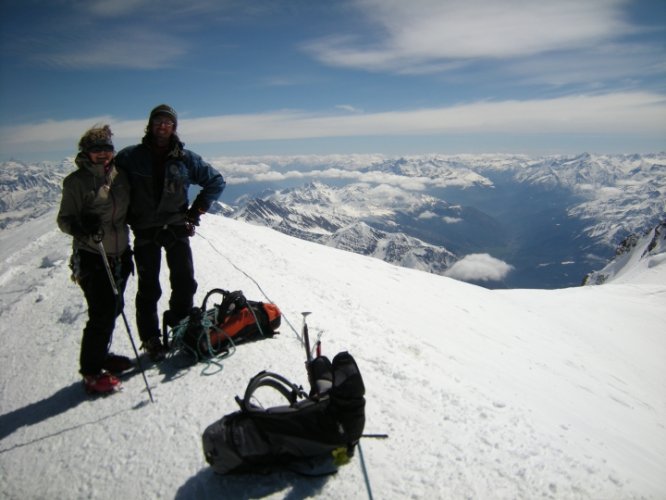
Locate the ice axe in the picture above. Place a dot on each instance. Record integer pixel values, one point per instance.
(306, 338)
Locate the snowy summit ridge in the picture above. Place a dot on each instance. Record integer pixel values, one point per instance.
(505, 393)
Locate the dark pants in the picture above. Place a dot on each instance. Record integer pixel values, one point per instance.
(148, 257)
(103, 305)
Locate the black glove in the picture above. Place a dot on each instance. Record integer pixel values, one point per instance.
(193, 218)
(193, 215)
(98, 236)
(91, 224)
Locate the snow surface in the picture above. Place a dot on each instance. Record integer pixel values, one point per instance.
(484, 394)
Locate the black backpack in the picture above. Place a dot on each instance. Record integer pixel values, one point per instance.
(313, 434)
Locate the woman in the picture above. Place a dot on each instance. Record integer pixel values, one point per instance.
(93, 209)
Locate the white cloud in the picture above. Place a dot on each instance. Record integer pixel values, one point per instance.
(395, 193)
(349, 108)
(451, 220)
(119, 49)
(387, 184)
(434, 35)
(593, 66)
(66, 131)
(112, 35)
(629, 113)
(479, 267)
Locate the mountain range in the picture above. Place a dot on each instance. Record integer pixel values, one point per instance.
(548, 221)
(29, 190)
(551, 220)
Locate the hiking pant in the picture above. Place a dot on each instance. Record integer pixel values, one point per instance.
(148, 257)
(103, 305)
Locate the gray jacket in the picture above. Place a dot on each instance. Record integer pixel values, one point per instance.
(90, 193)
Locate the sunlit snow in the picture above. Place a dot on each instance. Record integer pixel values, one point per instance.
(483, 394)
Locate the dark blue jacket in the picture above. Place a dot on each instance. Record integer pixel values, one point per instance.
(154, 206)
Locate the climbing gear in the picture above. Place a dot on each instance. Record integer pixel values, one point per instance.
(213, 333)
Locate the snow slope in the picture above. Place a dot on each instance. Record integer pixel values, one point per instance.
(634, 258)
(484, 393)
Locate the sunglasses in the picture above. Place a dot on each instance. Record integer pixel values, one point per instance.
(101, 149)
(162, 121)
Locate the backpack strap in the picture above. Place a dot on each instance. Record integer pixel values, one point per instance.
(231, 301)
(214, 291)
(289, 390)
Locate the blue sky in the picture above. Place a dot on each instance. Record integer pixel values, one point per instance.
(347, 76)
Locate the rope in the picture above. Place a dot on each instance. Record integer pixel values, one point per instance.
(300, 339)
(201, 348)
(203, 354)
(216, 360)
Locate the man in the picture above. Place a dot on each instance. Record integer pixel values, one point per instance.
(160, 171)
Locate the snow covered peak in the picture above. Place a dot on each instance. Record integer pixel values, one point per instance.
(588, 172)
(635, 259)
(394, 248)
(361, 218)
(440, 171)
(29, 190)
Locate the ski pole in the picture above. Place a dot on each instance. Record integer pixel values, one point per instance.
(100, 247)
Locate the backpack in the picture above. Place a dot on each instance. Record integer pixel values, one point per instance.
(313, 434)
(208, 332)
